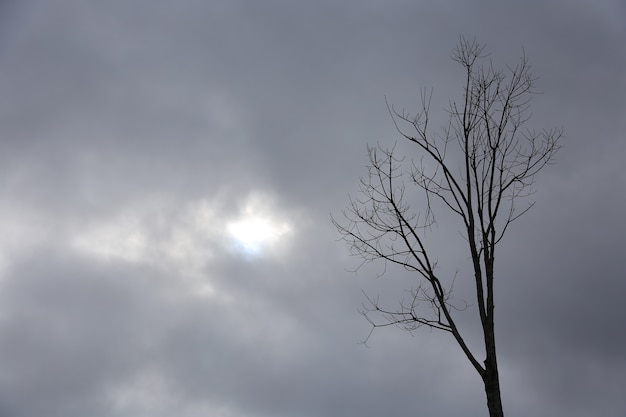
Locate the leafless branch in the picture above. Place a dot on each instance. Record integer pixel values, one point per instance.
(478, 166)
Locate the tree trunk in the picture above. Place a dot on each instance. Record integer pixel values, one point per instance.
(492, 387)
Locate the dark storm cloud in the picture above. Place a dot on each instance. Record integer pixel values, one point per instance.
(134, 134)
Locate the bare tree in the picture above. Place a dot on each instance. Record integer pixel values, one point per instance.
(477, 167)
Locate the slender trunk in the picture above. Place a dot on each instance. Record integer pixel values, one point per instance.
(492, 384)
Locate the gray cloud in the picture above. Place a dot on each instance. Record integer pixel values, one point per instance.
(134, 136)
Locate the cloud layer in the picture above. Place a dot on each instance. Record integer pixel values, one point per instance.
(166, 177)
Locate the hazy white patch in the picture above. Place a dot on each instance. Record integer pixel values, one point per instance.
(148, 393)
(152, 393)
(22, 228)
(178, 240)
(183, 240)
(259, 228)
(122, 237)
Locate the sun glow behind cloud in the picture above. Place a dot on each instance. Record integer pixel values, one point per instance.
(183, 240)
(257, 229)
(254, 233)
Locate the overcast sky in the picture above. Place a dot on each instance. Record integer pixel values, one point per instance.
(167, 174)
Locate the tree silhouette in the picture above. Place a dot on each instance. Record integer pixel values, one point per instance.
(478, 165)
